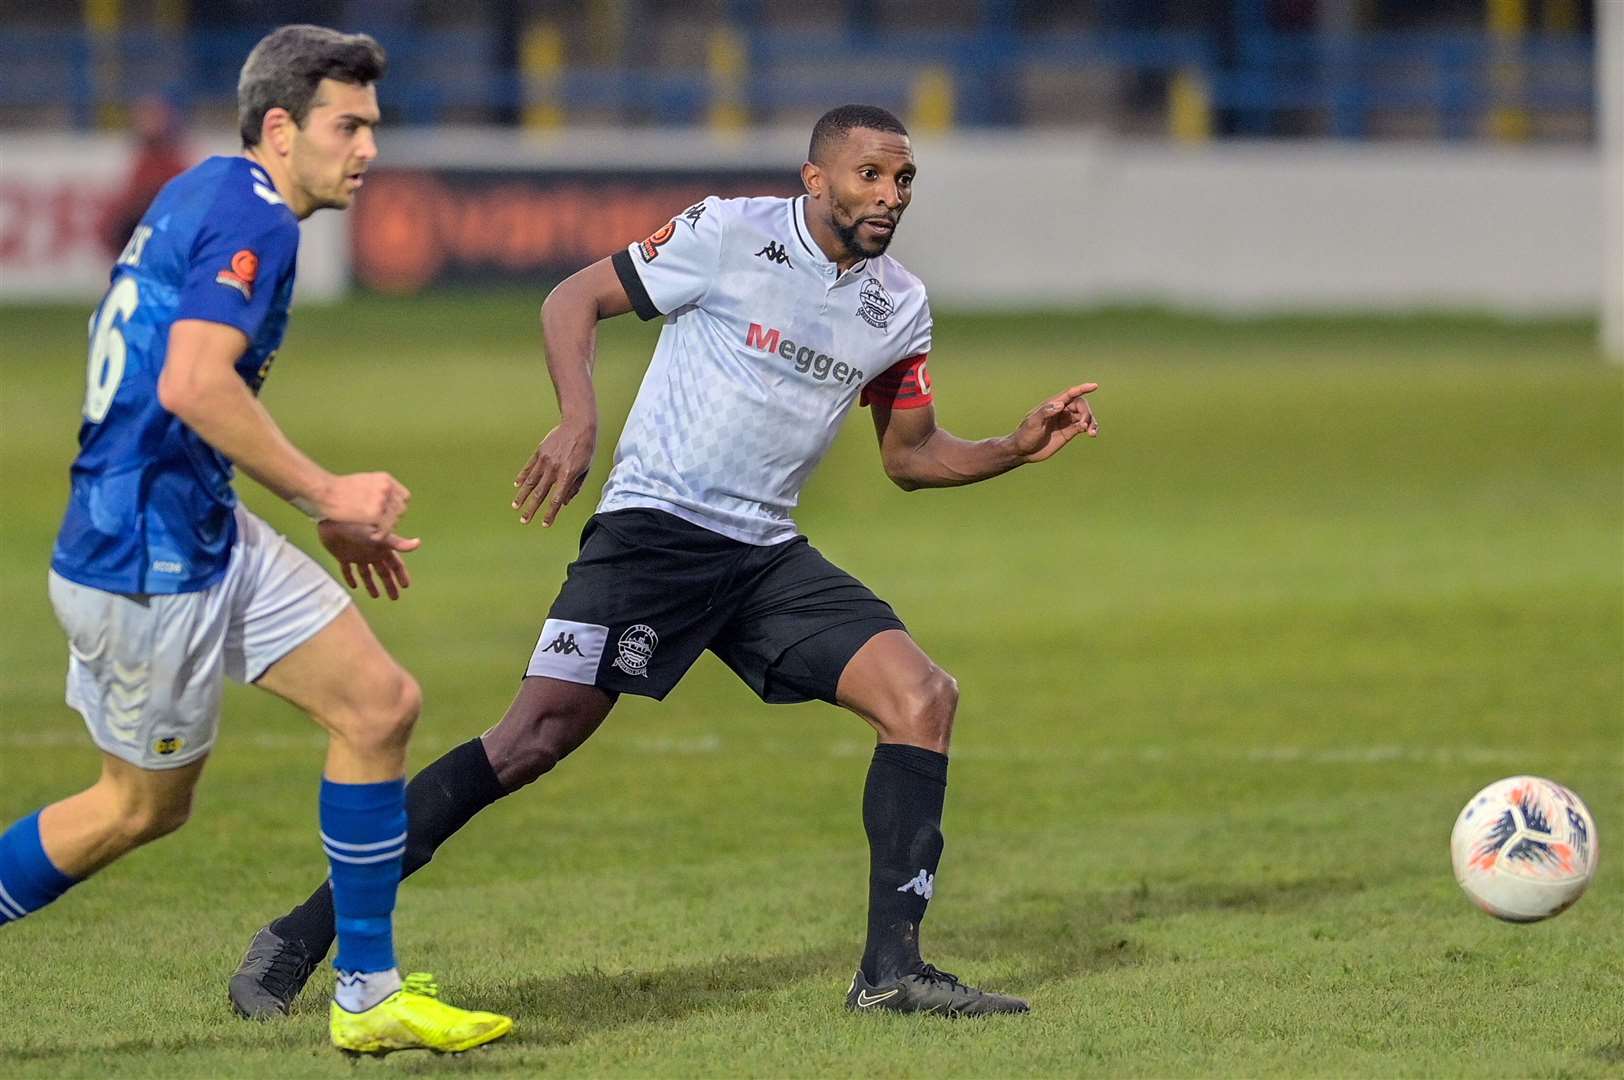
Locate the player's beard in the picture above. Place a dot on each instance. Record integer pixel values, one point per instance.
(853, 242)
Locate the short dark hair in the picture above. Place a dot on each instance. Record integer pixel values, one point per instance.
(289, 63)
(835, 124)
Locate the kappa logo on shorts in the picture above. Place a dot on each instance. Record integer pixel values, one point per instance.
(637, 646)
(569, 650)
(564, 645)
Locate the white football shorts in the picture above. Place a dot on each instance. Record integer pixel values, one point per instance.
(147, 671)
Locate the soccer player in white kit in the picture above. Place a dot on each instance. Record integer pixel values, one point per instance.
(780, 314)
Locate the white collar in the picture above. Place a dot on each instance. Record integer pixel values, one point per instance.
(803, 233)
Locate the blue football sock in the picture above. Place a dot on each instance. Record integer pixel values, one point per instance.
(28, 878)
(363, 829)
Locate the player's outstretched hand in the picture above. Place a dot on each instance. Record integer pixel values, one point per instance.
(559, 465)
(1055, 423)
(375, 500)
(357, 553)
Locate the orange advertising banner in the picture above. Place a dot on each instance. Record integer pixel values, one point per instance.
(422, 229)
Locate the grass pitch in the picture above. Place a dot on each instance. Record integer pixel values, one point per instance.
(1228, 674)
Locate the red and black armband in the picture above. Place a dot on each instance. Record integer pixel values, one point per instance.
(904, 385)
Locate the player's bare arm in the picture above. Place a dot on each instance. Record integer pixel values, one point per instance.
(918, 454)
(200, 385)
(569, 329)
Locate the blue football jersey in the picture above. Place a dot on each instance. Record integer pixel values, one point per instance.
(151, 507)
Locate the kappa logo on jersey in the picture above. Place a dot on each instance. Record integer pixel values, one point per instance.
(807, 360)
(637, 646)
(774, 253)
(244, 269)
(650, 248)
(693, 214)
(924, 884)
(875, 305)
(564, 645)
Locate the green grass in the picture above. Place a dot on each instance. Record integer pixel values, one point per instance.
(1228, 674)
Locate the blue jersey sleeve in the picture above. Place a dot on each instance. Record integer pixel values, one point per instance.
(236, 271)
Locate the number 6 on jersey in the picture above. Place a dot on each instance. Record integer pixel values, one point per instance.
(107, 348)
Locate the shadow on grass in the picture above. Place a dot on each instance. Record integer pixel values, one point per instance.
(1055, 935)
(1042, 936)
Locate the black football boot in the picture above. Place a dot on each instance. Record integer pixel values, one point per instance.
(270, 976)
(927, 990)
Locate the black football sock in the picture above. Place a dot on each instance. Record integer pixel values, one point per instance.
(902, 814)
(440, 800)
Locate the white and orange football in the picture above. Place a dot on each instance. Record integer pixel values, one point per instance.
(1524, 849)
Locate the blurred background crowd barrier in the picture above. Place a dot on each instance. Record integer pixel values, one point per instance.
(1238, 154)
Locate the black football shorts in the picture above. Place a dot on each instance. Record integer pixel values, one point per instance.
(650, 592)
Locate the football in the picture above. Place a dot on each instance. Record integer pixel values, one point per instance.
(1524, 848)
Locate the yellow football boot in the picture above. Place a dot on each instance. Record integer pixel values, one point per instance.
(414, 1018)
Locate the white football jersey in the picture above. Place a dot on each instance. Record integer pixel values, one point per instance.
(765, 347)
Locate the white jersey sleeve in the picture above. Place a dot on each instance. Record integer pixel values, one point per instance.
(676, 266)
(919, 336)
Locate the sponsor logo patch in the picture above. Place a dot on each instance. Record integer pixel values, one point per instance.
(241, 274)
(637, 647)
(806, 360)
(875, 305)
(650, 248)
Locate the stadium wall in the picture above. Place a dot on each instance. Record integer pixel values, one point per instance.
(54, 192)
(998, 221)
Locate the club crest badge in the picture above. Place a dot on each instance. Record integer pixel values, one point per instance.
(637, 646)
(874, 304)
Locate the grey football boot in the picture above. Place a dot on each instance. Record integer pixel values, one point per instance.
(928, 990)
(270, 976)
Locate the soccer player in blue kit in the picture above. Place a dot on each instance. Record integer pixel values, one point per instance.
(165, 584)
